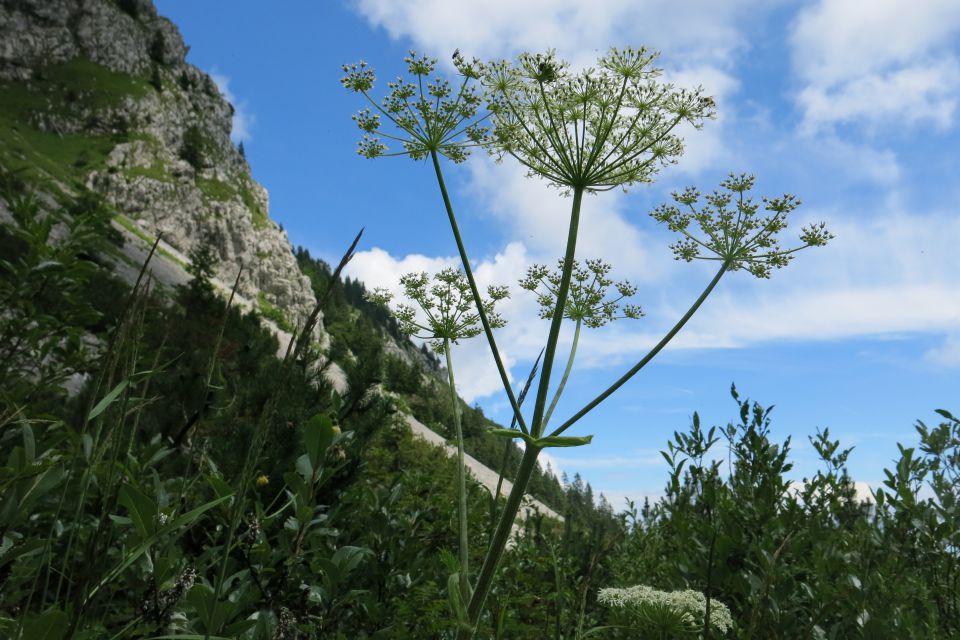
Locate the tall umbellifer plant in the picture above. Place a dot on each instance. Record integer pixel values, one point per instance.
(450, 316)
(584, 132)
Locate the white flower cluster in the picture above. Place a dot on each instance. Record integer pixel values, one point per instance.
(688, 602)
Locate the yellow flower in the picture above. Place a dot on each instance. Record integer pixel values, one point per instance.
(263, 480)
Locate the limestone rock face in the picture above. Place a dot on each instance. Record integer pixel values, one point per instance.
(126, 35)
(173, 169)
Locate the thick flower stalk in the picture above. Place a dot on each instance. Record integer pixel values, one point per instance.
(587, 303)
(451, 316)
(591, 131)
(613, 126)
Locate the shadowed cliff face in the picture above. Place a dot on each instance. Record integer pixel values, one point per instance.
(98, 93)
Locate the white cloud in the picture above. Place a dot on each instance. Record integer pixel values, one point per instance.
(475, 371)
(243, 120)
(893, 275)
(946, 354)
(877, 61)
(910, 95)
(538, 215)
(695, 29)
(699, 39)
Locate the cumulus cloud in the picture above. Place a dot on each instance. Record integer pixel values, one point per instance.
(877, 61)
(893, 275)
(700, 40)
(243, 120)
(696, 29)
(475, 372)
(946, 354)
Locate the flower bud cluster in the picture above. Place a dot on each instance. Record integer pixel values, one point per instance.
(739, 234)
(425, 114)
(594, 130)
(586, 296)
(447, 304)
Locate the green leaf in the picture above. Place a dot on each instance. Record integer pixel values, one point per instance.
(142, 508)
(189, 636)
(318, 434)
(544, 442)
(50, 625)
(946, 414)
(185, 520)
(506, 433)
(29, 443)
(453, 597)
(562, 441)
(348, 557)
(204, 601)
(107, 400)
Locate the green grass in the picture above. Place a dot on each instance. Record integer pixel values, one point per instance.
(99, 86)
(157, 171)
(260, 219)
(47, 158)
(215, 189)
(272, 312)
(135, 229)
(54, 160)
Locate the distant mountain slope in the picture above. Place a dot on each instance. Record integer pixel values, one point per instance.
(97, 94)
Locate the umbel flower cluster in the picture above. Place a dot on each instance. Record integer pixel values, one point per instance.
(424, 113)
(586, 298)
(447, 303)
(594, 130)
(737, 235)
(673, 611)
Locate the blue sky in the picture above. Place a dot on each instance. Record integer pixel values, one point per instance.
(852, 105)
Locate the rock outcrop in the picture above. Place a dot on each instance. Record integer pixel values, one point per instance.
(171, 167)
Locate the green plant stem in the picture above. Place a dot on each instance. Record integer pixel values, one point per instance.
(499, 542)
(647, 358)
(461, 480)
(537, 424)
(566, 374)
(529, 460)
(476, 294)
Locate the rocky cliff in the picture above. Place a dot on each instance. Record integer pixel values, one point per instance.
(98, 94)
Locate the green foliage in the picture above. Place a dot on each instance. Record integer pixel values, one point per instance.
(66, 90)
(202, 268)
(45, 271)
(807, 561)
(194, 147)
(273, 313)
(347, 518)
